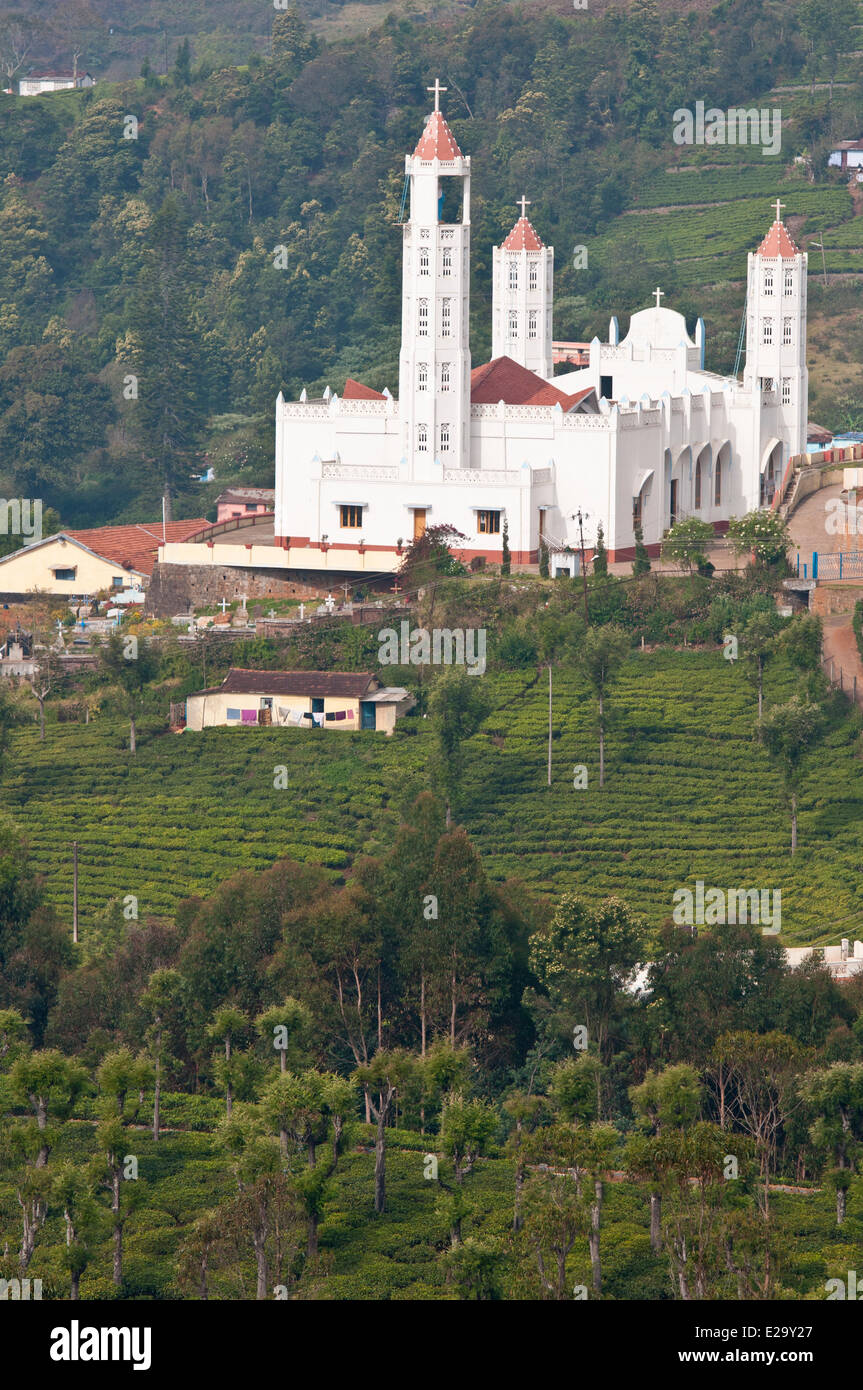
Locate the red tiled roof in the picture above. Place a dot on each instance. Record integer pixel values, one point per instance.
(247, 494)
(355, 391)
(778, 242)
(523, 237)
(550, 395)
(504, 379)
(437, 140)
(134, 547)
(242, 681)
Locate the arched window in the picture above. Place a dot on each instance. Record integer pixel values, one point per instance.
(424, 260)
(513, 275)
(768, 282)
(531, 323)
(717, 488)
(786, 331)
(534, 272)
(423, 318)
(422, 376)
(513, 324)
(445, 321)
(767, 332)
(446, 261)
(789, 281)
(422, 438)
(697, 484)
(444, 439)
(444, 376)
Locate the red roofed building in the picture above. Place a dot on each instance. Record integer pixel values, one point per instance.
(136, 546)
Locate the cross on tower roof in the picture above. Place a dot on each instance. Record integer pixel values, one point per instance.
(437, 89)
(523, 203)
(779, 206)
(660, 294)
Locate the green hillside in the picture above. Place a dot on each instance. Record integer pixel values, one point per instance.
(689, 796)
(401, 1254)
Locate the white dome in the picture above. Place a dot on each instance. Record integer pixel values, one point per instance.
(661, 328)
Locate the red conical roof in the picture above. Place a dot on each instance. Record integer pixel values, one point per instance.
(437, 140)
(523, 237)
(778, 242)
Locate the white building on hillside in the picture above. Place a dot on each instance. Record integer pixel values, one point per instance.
(643, 434)
(35, 83)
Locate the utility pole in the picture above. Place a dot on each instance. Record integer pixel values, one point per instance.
(75, 891)
(819, 246)
(581, 519)
(549, 723)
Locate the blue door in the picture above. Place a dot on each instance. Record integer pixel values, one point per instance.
(367, 714)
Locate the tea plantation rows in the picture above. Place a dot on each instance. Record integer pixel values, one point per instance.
(689, 795)
(394, 1256)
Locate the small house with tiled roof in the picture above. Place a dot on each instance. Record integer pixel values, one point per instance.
(244, 501)
(79, 564)
(335, 701)
(639, 434)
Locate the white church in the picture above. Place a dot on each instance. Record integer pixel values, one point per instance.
(642, 435)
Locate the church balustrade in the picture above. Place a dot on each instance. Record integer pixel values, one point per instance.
(348, 407)
(489, 477)
(360, 472)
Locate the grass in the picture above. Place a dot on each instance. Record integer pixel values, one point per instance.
(689, 795)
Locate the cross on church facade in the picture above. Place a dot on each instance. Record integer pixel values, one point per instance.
(437, 89)
(660, 294)
(523, 203)
(779, 206)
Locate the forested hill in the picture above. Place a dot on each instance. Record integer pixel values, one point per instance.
(151, 249)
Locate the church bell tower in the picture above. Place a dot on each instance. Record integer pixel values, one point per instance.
(776, 330)
(434, 364)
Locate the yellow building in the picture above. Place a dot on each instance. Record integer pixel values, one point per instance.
(63, 566)
(299, 699)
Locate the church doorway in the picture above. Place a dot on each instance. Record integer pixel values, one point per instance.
(419, 522)
(672, 502)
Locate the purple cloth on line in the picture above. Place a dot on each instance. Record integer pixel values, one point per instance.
(250, 716)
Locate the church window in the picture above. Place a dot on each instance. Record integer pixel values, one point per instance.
(767, 332)
(424, 260)
(422, 376)
(533, 274)
(351, 517)
(786, 331)
(446, 261)
(513, 275)
(789, 281)
(513, 324)
(423, 318)
(768, 282)
(488, 523)
(445, 320)
(444, 376)
(444, 439)
(636, 510)
(422, 438)
(786, 390)
(697, 484)
(531, 324)
(717, 488)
